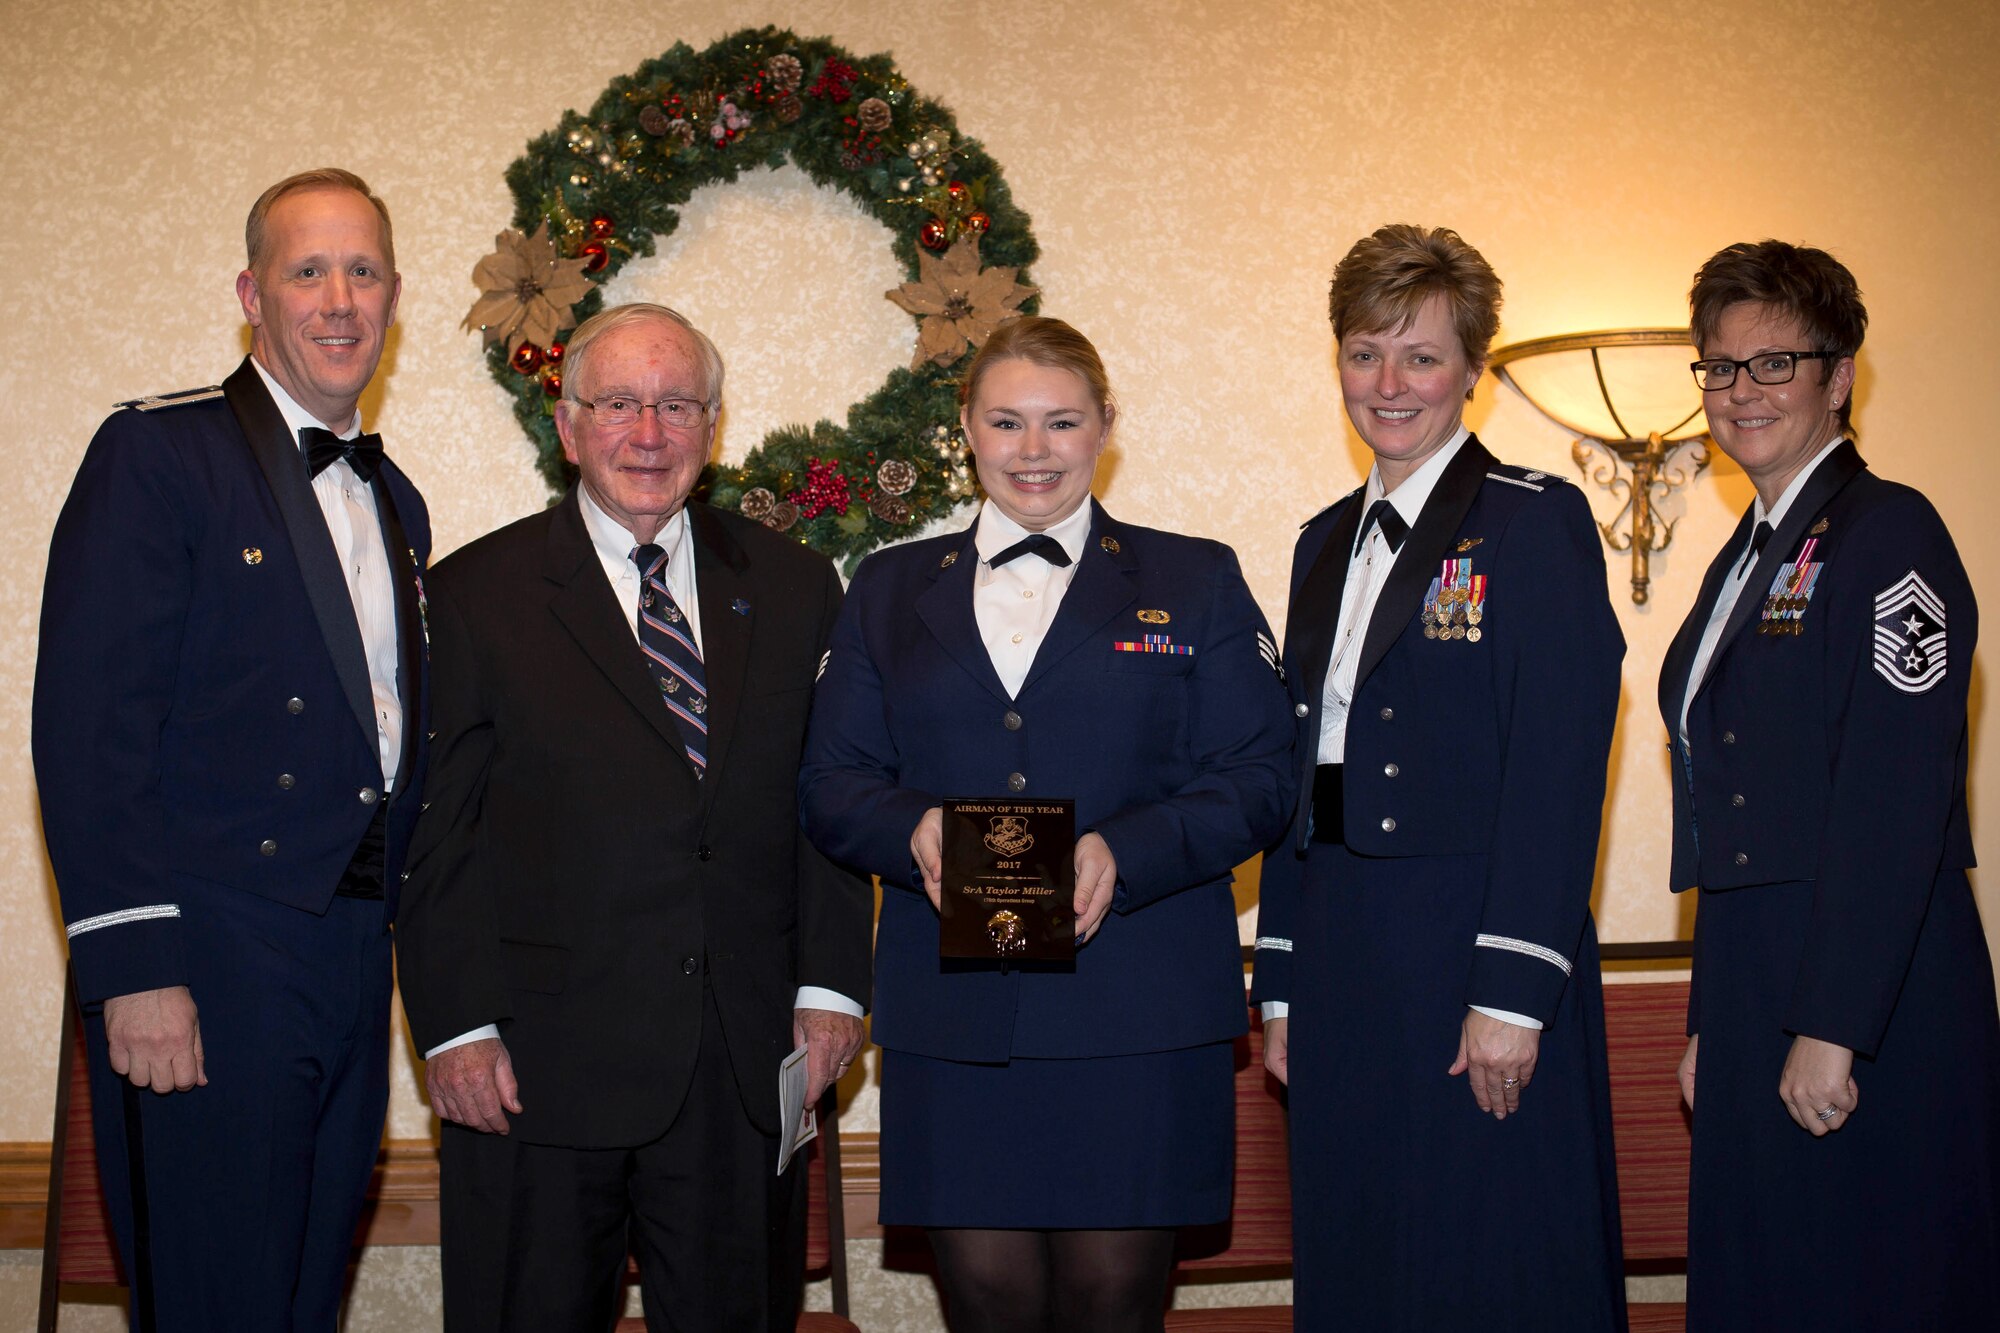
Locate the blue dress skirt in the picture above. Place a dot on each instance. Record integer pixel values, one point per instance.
(1414, 1211)
(1106, 1142)
(1892, 1221)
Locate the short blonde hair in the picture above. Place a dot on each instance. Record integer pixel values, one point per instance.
(1387, 277)
(1044, 342)
(320, 178)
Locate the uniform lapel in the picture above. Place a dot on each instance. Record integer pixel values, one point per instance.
(587, 609)
(1100, 589)
(1840, 467)
(721, 585)
(1433, 534)
(409, 627)
(1315, 613)
(277, 453)
(946, 610)
(1680, 654)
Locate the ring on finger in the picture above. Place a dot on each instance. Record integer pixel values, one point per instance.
(1829, 1113)
(1510, 1082)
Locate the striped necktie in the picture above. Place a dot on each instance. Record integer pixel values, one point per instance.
(672, 659)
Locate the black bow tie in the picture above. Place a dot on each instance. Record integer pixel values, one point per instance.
(323, 449)
(1039, 543)
(1757, 541)
(1383, 514)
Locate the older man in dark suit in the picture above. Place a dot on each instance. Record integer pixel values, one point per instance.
(613, 932)
(228, 735)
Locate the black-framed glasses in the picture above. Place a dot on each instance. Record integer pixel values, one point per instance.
(618, 411)
(1765, 368)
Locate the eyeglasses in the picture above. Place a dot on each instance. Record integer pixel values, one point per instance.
(617, 412)
(1764, 368)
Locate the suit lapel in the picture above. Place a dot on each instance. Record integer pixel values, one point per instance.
(1316, 610)
(409, 627)
(1435, 531)
(1841, 466)
(946, 610)
(721, 585)
(584, 604)
(1101, 587)
(277, 453)
(1680, 653)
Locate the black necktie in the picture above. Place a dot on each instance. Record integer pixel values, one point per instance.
(1037, 543)
(1757, 540)
(672, 660)
(1383, 515)
(323, 449)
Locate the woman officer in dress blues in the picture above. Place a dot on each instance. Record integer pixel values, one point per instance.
(1051, 1129)
(1425, 924)
(1847, 1127)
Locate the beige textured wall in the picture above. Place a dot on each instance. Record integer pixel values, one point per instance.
(1193, 168)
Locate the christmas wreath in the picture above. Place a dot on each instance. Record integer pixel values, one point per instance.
(601, 187)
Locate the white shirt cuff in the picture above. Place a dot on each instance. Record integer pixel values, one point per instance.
(818, 997)
(1271, 1009)
(1508, 1016)
(477, 1034)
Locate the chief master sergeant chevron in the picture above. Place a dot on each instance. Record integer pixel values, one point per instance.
(229, 741)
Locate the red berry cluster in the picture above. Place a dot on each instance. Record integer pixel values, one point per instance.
(825, 488)
(835, 82)
(859, 148)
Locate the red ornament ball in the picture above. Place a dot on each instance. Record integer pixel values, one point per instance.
(595, 256)
(933, 236)
(977, 222)
(552, 382)
(600, 228)
(957, 191)
(527, 359)
(554, 355)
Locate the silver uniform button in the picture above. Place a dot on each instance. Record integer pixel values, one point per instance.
(1015, 782)
(1389, 824)
(368, 795)
(1729, 738)
(1300, 710)
(1012, 721)
(1391, 770)
(1388, 715)
(295, 705)
(1737, 800)
(1743, 858)
(286, 782)
(268, 847)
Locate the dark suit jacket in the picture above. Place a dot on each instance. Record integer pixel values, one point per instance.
(1495, 749)
(202, 707)
(572, 880)
(1180, 761)
(1821, 755)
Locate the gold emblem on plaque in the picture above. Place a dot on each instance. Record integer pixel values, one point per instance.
(1004, 929)
(1155, 617)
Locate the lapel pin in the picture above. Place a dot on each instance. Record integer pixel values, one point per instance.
(253, 556)
(1155, 617)
(950, 559)
(1109, 543)
(1469, 543)
(1817, 528)
(740, 607)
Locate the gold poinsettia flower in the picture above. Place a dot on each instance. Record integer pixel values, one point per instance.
(526, 290)
(960, 302)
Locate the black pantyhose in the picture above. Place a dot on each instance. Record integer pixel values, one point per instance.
(1054, 1281)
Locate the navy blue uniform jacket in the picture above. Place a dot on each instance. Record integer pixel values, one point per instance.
(1494, 749)
(202, 706)
(1836, 755)
(1181, 763)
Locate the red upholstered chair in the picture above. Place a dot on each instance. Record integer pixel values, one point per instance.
(1256, 1243)
(1645, 1028)
(77, 1245)
(826, 1230)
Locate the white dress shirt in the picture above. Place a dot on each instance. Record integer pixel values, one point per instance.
(1739, 577)
(1015, 604)
(1367, 575)
(351, 520)
(614, 546)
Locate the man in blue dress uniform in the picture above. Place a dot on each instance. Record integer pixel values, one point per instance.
(229, 743)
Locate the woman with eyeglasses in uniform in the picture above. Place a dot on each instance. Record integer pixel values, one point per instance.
(1843, 1058)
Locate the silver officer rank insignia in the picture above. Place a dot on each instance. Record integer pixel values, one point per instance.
(1909, 635)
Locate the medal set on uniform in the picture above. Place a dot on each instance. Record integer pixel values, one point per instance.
(1785, 605)
(1455, 604)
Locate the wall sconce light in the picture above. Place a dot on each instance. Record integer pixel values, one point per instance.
(1592, 384)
